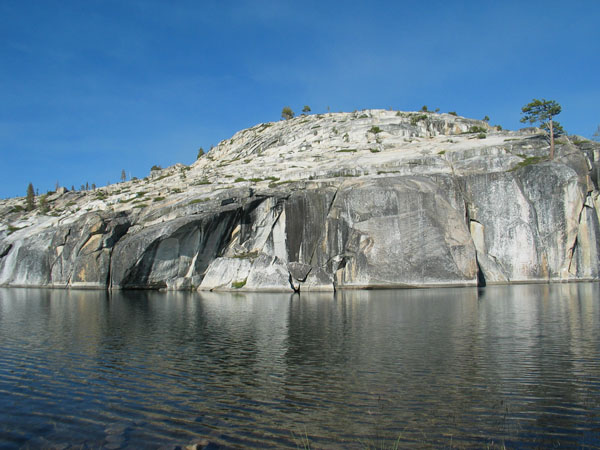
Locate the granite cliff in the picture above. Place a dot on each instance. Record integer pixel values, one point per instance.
(369, 199)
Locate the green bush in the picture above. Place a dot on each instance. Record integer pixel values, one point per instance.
(452, 113)
(346, 174)
(477, 129)
(527, 161)
(375, 129)
(239, 284)
(279, 183)
(415, 119)
(248, 255)
(287, 113)
(162, 177)
(263, 127)
(198, 200)
(12, 229)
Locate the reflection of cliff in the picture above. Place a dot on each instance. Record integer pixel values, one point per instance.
(386, 356)
(541, 354)
(481, 365)
(66, 317)
(420, 359)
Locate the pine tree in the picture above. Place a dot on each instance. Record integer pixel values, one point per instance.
(287, 113)
(44, 204)
(30, 199)
(123, 175)
(542, 111)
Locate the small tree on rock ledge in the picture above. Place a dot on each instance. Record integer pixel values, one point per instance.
(287, 113)
(30, 199)
(542, 111)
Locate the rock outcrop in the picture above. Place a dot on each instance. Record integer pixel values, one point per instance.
(371, 199)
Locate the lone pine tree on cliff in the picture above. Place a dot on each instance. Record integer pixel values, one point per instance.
(543, 111)
(287, 113)
(30, 199)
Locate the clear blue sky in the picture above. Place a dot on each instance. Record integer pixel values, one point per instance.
(88, 88)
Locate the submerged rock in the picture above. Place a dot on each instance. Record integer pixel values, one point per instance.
(372, 199)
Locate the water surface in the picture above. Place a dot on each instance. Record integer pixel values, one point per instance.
(516, 366)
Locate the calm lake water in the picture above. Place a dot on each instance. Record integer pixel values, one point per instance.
(516, 366)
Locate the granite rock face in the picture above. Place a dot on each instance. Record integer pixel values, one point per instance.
(372, 199)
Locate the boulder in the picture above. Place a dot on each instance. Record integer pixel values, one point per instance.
(226, 274)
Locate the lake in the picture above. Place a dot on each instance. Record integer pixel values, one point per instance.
(514, 366)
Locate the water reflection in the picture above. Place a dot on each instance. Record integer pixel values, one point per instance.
(468, 367)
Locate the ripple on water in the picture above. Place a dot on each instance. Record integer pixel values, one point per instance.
(518, 366)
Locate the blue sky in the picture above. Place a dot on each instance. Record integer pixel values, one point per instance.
(89, 88)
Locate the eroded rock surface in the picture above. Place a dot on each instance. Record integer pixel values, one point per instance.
(370, 199)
